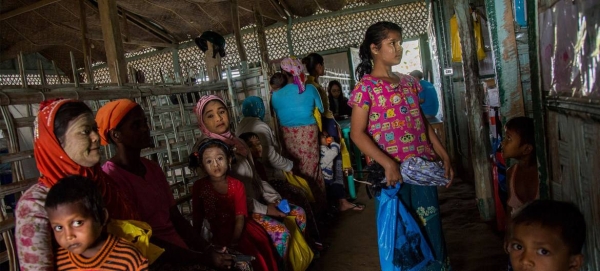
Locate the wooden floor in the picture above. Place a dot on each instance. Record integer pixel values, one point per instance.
(472, 244)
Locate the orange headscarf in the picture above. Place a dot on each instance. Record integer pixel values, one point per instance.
(109, 116)
(54, 163)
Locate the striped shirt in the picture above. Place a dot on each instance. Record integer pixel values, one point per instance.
(115, 254)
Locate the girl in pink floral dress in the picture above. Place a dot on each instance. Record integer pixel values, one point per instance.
(388, 126)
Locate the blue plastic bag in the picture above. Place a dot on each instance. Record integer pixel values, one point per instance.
(284, 206)
(402, 246)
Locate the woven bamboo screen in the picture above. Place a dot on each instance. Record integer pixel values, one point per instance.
(32, 79)
(310, 36)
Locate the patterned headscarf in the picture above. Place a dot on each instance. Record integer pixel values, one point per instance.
(54, 163)
(296, 68)
(226, 137)
(110, 115)
(253, 106)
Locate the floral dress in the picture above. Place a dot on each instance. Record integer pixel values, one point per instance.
(32, 231)
(397, 127)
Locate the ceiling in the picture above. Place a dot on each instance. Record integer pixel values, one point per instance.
(52, 28)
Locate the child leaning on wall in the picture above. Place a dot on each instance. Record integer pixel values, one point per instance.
(523, 181)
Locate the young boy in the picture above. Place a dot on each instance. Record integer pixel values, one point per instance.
(519, 144)
(547, 235)
(335, 186)
(329, 151)
(77, 217)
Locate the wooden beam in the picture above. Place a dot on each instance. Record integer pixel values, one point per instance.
(478, 130)
(278, 8)
(142, 23)
(84, 40)
(113, 45)
(137, 42)
(262, 40)
(236, 30)
(25, 9)
(126, 35)
(504, 43)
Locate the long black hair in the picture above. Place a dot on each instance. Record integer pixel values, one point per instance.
(331, 98)
(311, 61)
(376, 33)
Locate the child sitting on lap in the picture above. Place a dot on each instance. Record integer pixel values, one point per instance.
(78, 219)
(547, 235)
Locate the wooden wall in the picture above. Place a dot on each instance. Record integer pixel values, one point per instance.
(574, 154)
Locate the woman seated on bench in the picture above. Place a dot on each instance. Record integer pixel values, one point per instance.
(66, 142)
(123, 123)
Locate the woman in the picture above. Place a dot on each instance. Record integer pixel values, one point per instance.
(123, 123)
(336, 190)
(66, 142)
(337, 102)
(253, 109)
(262, 198)
(294, 105)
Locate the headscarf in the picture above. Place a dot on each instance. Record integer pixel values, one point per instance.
(110, 115)
(296, 68)
(54, 164)
(253, 106)
(227, 137)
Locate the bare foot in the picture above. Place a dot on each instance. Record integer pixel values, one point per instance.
(346, 205)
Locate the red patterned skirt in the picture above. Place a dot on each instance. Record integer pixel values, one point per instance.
(302, 145)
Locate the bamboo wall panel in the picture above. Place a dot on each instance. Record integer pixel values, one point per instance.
(574, 148)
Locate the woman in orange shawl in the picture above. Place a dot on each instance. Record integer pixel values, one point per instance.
(66, 142)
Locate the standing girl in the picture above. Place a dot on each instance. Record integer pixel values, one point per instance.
(388, 126)
(221, 200)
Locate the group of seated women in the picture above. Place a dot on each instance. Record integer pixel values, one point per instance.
(240, 200)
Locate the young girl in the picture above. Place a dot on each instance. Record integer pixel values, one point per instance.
(523, 181)
(262, 198)
(388, 126)
(221, 199)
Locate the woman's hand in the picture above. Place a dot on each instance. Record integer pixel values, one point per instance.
(449, 171)
(273, 211)
(221, 259)
(392, 173)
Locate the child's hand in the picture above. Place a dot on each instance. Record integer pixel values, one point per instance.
(221, 259)
(392, 173)
(449, 171)
(273, 211)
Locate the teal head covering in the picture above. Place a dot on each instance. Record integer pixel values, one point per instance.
(253, 106)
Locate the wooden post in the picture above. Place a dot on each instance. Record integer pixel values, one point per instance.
(176, 64)
(502, 28)
(262, 41)
(537, 97)
(84, 40)
(236, 30)
(113, 44)
(478, 129)
(125, 25)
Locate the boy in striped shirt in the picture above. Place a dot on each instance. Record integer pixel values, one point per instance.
(78, 218)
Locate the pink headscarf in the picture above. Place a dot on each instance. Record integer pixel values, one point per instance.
(227, 137)
(296, 68)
